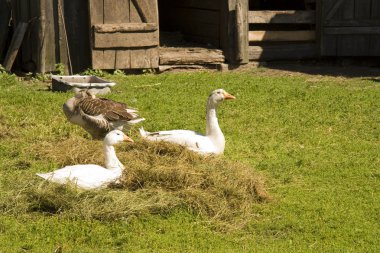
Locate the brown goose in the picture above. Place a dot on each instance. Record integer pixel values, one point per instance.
(98, 116)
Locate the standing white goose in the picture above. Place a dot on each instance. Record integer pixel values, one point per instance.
(211, 143)
(98, 116)
(91, 176)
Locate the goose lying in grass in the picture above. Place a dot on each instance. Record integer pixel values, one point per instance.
(91, 176)
(211, 143)
(98, 116)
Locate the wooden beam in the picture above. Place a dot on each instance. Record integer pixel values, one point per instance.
(334, 9)
(281, 17)
(123, 40)
(16, 41)
(242, 32)
(301, 35)
(352, 30)
(283, 52)
(126, 27)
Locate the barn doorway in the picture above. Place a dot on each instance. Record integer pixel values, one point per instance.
(282, 30)
(189, 33)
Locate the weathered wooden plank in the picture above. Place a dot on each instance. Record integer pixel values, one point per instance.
(170, 56)
(140, 58)
(109, 59)
(329, 45)
(61, 37)
(362, 9)
(114, 40)
(374, 46)
(96, 17)
(353, 45)
(96, 11)
(15, 44)
(283, 52)
(116, 11)
(97, 58)
(335, 7)
(145, 10)
(125, 27)
(123, 59)
(299, 35)
(347, 11)
(352, 30)
(281, 17)
(375, 10)
(78, 33)
(154, 57)
(242, 31)
(134, 16)
(5, 13)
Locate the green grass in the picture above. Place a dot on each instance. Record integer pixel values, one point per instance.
(314, 138)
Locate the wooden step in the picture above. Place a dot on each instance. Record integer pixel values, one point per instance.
(294, 51)
(190, 55)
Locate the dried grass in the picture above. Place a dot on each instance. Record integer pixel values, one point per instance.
(159, 178)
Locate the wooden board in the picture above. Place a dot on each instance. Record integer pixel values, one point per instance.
(171, 55)
(129, 40)
(15, 44)
(301, 35)
(242, 32)
(281, 17)
(126, 27)
(124, 33)
(5, 13)
(283, 52)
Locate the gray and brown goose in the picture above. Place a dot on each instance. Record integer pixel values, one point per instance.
(98, 116)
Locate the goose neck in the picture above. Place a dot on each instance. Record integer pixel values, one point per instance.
(111, 160)
(212, 125)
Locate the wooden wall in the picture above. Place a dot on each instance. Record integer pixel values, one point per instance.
(198, 20)
(350, 28)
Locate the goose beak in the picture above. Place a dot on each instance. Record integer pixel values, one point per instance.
(228, 96)
(127, 139)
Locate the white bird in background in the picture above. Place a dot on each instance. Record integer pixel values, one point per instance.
(211, 143)
(91, 176)
(98, 116)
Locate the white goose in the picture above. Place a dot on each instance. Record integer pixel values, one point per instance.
(211, 143)
(91, 176)
(98, 116)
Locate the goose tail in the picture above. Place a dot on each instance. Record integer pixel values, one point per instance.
(143, 133)
(44, 175)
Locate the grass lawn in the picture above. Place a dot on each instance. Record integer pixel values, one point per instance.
(315, 139)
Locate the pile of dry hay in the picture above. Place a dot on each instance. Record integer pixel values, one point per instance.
(159, 178)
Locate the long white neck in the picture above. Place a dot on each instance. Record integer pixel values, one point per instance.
(112, 162)
(213, 130)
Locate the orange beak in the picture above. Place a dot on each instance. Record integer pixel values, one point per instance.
(228, 96)
(127, 139)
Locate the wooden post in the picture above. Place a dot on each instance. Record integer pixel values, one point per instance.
(242, 43)
(16, 41)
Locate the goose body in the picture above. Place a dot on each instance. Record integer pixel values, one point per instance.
(98, 116)
(211, 143)
(92, 176)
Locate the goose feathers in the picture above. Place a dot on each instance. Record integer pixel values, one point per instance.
(91, 176)
(211, 143)
(98, 116)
